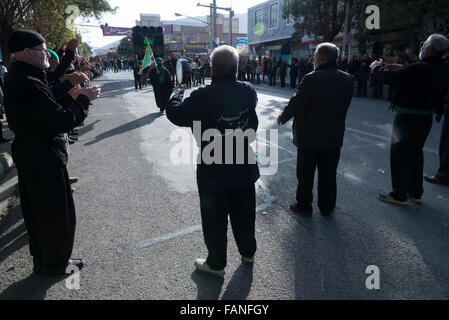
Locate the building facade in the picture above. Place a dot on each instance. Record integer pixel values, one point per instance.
(192, 38)
(270, 35)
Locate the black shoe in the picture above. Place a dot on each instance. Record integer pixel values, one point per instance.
(71, 141)
(57, 271)
(326, 213)
(74, 138)
(436, 180)
(305, 213)
(389, 198)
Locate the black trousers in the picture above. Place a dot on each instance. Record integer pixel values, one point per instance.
(362, 84)
(327, 162)
(410, 133)
(49, 213)
(293, 81)
(240, 205)
(272, 79)
(443, 172)
(282, 81)
(378, 90)
(137, 81)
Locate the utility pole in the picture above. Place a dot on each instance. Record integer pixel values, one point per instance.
(231, 14)
(214, 19)
(345, 37)
(211, 26)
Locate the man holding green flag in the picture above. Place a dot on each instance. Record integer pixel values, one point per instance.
(162, 83)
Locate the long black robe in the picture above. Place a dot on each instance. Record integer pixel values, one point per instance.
(40, 155)
(162, 92)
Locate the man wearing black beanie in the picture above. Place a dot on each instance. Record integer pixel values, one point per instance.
(40, 154)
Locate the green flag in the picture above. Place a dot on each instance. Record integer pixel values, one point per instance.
(149, 57)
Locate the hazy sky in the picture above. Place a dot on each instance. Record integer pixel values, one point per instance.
(128, 12)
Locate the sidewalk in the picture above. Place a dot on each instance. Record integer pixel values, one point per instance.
(8, 174)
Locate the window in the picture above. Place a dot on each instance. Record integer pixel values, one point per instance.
(258, 17)
(290, 20)
(274, 14)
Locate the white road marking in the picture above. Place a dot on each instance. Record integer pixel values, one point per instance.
(268, 197)
(170, 236)
(369, 134)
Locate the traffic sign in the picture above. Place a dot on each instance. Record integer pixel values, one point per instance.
(349, 38)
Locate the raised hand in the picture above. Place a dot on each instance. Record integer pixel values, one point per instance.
(73, 44)
(75, 78)
(75, 92)
(91, 93)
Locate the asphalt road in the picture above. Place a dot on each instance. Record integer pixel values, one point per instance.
(138, 220)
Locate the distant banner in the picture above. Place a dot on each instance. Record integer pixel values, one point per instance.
(114, 31)
(197, 47)
(242, 45)
(168, 29)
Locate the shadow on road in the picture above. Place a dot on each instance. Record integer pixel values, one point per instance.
(135, 124)
(31, 288)
(15, 239)
(86, 129)
(240, 285)
(209, 286)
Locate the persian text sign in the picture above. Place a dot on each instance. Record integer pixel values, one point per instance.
(114, 31)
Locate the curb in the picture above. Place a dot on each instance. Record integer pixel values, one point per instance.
(8, 183)
(6, 164)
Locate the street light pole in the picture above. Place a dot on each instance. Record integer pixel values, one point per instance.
(231, 14)
(182, 34)
(345, 36)
(214, 19)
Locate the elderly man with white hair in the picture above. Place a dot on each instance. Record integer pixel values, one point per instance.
(319, 108)
(226, 185)
(421, 89)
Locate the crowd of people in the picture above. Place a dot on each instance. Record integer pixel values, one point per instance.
(59, 95)
(277, 70)
(318, 108)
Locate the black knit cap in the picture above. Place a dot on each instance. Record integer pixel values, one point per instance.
(21, 39)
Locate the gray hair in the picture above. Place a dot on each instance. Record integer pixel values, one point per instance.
(225, 60)
(439, 44)
(328, 51)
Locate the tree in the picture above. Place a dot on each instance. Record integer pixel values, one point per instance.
(47, 17)
(411, 17)
(322, 19)
(126, 46)
(415, 16)
(84, 49)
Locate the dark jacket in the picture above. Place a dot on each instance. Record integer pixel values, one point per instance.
(420, 86)
(60, 70)
(319, 107)
(225, 104)
(37, 120)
